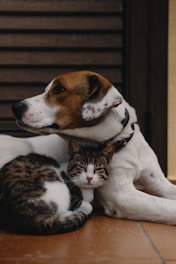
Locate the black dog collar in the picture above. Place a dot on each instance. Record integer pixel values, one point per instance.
(120, 143)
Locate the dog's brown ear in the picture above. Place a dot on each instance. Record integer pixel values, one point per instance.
(102, 97)
(94, 87)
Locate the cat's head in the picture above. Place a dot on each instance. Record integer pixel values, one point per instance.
(88, 167)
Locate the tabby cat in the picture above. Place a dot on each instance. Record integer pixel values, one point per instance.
(35, 199)
(38, 197)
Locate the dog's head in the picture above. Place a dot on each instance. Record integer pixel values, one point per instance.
(71, 100)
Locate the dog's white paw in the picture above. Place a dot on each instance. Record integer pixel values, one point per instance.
(85, 207)
(92, 111)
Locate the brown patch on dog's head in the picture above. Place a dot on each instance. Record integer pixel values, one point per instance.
(87, 85)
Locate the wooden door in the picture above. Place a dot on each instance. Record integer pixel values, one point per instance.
(146, 69)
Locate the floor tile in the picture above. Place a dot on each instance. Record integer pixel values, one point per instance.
(164, 238)
(101, 240)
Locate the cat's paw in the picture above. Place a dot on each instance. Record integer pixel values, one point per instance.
(86, 208)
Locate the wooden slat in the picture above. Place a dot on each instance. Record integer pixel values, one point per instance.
(11, 76)
(60, 58)
(56, 22)
(19, 92)
(9, 124)
(5, 111)
(60, 40)
(11, 128)
(61, 6)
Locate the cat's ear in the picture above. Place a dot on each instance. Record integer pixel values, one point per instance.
(102, 97)
(74, 148)
(108, 152)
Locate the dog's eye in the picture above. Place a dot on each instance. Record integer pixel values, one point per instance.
(58, 89)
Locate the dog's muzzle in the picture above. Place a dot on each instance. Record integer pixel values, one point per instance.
(19, 109)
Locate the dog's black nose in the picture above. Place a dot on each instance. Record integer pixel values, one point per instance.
(19, 109)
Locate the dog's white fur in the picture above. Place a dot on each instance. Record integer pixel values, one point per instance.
(51, 146)
(134, 168)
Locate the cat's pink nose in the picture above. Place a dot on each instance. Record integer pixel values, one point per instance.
(89, 179)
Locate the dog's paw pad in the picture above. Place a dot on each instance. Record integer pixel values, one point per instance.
(91, 111)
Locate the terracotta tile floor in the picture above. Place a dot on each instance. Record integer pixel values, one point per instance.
(100, 240)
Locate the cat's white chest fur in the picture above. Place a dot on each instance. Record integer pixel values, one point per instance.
(88, 194)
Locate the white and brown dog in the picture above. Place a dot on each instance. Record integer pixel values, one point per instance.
(87, 107)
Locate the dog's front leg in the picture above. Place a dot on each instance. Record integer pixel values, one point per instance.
(122, 200)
